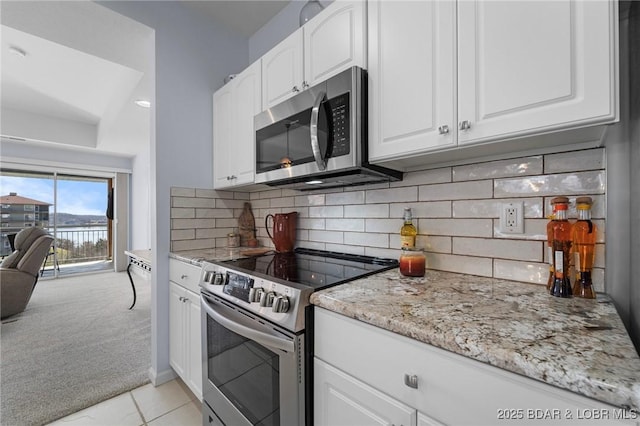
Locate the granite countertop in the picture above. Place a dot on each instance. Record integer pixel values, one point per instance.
(576, 344)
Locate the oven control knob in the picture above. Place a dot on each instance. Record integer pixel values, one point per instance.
(218, 279)
(266, 298)
(255, 293)
(280, 304)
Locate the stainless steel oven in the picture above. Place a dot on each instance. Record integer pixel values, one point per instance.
(257, 334)
(255, 370)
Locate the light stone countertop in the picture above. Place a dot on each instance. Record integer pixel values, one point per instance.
(575, 344)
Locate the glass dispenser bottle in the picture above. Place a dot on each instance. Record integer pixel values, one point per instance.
(561, 243)
(550, 224)
(583, 234)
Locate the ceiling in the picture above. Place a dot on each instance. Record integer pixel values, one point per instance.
(80, 90)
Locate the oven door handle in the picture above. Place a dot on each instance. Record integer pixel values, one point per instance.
(313, 130)
(264, 339)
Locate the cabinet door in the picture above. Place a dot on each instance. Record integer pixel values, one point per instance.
(222, 136)
(341, 399)
(282, 71)
(176, 329)
(411, 77)
(194, 343)
(247, 103)
(335, 40)
(529, 66)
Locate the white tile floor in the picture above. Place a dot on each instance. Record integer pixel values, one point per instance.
(169, 404)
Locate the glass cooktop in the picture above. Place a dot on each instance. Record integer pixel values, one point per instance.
(315, 268)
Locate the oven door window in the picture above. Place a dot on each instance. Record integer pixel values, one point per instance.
(245, 372)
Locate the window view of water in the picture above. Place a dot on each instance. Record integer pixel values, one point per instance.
(71, 208)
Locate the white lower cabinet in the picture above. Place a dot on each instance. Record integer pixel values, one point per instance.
(367, 375)
(185, 347)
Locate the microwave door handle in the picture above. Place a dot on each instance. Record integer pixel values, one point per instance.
(313, 130)
(248, 332)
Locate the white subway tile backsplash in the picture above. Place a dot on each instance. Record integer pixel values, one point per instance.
(392, 195)
(481, 266)
(326, 211)
(183, 192)
(326, 236)
(183, 213)
(530, 251)
(310, 200)
(499, 169)
(456, 210)
(366, 239)
(592, 182)
(535, 273)
(357, 225)
(312, 223)
(344, 198)
(533, 207)
(426, 177)
(365, 211)
(391, 226)
(456, 227)
(590, 159)
(422, 209)
(208, 203)
(456, 191)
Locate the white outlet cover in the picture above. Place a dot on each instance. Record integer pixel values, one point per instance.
(518, 228)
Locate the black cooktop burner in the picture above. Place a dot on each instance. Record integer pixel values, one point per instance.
(314, 268)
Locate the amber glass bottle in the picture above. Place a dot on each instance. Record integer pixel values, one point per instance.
(550, 248)
(583, 234)
(561, 242)
(408, 231)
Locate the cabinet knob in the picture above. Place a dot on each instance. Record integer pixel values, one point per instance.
(464, 125)
(411, 381)
(305, 85)
(295, 89)
(182, 277)
(443, 129)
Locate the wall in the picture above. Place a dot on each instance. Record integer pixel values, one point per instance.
(192, 59)
(457, 210)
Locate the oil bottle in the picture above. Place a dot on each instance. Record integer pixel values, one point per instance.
(408, 231)
(583, 234)
(561, 244)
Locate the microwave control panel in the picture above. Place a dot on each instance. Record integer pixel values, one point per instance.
(341, 127)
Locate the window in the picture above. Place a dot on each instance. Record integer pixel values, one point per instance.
(29, 207)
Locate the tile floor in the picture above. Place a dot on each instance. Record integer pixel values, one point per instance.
(169, 404)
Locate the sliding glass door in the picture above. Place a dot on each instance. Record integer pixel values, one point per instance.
(72, 208)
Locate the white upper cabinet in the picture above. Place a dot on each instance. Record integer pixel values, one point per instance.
(331, 42)
(282, 70)
(234, 106)
(488, 76)
(530, 66)
(412, 56)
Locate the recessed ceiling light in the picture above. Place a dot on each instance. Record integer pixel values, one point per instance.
(314, 182)
(142, 103)
(17, 51)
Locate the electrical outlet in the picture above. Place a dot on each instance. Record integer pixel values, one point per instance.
(512, 218)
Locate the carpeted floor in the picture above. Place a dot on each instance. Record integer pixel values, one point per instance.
(76, 344)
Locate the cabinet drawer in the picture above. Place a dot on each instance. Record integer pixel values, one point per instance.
(445, 381)
(184, 274)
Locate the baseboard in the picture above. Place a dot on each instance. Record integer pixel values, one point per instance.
(162, 377)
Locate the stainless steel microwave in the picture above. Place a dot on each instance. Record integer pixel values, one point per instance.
(318, 138)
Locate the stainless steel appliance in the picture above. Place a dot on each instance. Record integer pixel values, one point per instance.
(318, 138)
(257, 333)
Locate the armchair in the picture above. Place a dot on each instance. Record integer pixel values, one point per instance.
(19, 271)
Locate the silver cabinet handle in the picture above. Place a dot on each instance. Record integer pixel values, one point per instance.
(295, 89)
(411, 381)
(464, 125)
(182, 277)
(305, 85)
(443, 129)
(313, 130)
